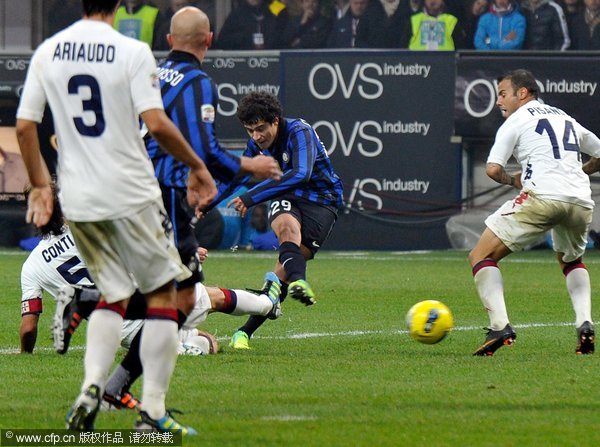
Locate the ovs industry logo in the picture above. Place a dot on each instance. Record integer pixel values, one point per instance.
(326, 80)
(365, 191)
(480, 94)
(364, 137)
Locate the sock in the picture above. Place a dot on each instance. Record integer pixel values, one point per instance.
(158, 353)
(488, 282)
(292, 261)
(117, 381)
(230, 301)
(578, 286)
(252, 324)
(284, 291)
(103, 340)
(248, 303)
(131, 363)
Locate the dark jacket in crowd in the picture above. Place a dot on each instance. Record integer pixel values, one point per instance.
(546, 27)
(585, 32)
(243, 26)
(312, 34)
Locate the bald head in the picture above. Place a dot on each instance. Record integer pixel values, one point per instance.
(190, 29)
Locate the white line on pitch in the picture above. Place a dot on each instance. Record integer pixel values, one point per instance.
(307, 335)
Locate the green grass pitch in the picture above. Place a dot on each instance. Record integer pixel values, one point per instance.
(344, 372)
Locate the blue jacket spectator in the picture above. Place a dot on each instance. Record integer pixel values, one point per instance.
(502, 28)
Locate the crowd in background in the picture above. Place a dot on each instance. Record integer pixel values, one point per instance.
(403, 24)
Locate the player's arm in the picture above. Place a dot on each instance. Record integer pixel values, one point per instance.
(31, 307)
(304, 153)
(591, 166)
(589, 144)
(28, 332)
(40, 200)
(201, 186)
(497, 173)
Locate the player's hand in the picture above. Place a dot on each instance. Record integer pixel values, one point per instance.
(239, 206)
(262, 167)
(40, 205)
(202, 254)
(201, 189)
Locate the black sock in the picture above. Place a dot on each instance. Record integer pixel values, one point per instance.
(252, 324)
(132, 362)
(256, 321)
(292, 261)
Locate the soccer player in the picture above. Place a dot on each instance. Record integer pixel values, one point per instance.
(98, 83)
(190, 99)
(303, 204)
(554, 194)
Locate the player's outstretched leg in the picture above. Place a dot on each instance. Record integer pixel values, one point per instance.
(275, 291)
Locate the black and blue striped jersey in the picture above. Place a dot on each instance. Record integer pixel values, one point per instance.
(306, 167)
(190, 99)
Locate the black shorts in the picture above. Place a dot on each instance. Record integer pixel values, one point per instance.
(316, 221)
(182, 215)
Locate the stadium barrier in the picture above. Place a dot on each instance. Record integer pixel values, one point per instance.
(387, 119)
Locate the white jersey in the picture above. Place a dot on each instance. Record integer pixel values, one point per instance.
(200, 311)
(54, 263)
(547, 144)
(97, 82)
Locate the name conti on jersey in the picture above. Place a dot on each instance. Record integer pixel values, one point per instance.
(58, 248)
(84, 52)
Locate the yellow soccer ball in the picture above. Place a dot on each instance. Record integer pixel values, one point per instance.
(429, 321)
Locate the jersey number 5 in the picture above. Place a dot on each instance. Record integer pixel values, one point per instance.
(92, 104)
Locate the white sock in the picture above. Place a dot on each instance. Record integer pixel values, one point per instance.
(578, 286)
(250, 304)
(488, 282)
(158, 353)
(103, 340)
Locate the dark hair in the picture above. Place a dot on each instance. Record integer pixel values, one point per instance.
(258, 106)
(521, 78)
(91, 7)
(56, 224)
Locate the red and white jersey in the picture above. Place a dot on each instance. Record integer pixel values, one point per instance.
(96, 82)
(54, 263)
(547, 143)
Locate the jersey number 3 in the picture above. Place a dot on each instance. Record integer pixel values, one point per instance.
(78, 85)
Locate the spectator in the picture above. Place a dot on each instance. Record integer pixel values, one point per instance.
(251, 26)
(585, 31)
(502, 28)
(339, 8)
(546, 25)
(310, 29)
(343, 34)
(467, 26)
(571, 8)
(384, 23)
(432, 28)
(140, 20)
(161, 43)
